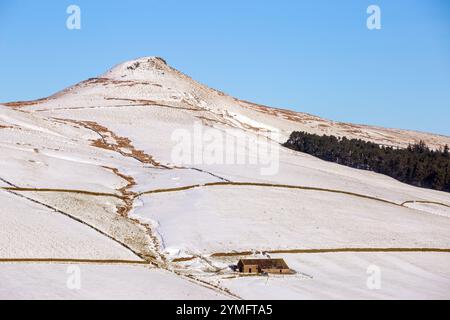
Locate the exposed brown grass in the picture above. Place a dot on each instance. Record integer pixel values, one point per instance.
(89, 193)
(212, 120)
(333, 250)
(126, 193)
(18, 104)
(139, 101)
(268, 185)
(83, 261)
(144, 102)
(277, 112)
(184, 259)
(160, 260)
(117, 143)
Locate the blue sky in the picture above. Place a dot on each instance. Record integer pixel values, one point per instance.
(311, 56)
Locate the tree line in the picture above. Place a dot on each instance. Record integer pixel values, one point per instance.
(417, 164)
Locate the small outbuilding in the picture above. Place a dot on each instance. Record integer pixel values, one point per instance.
(274, 266)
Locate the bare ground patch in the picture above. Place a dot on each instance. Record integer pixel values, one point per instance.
(110, 141)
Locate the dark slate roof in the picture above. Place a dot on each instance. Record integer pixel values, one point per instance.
(265, 263)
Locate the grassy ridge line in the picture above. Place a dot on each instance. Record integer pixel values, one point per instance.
(270, 185)
(244, 253)
(211, 184)
(224, 183)
(90, 193)
(310, 251)
(87, 261)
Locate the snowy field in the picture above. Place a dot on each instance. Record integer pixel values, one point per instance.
(433, 208)
(50, 281)
(293, 168)
(346, 276)
(205, 221)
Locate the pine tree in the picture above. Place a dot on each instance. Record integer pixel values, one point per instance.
(416, 164)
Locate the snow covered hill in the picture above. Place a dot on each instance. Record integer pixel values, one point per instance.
(144, 168)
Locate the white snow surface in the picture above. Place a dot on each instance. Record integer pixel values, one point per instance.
(346, 276)
(205, 221)
(59, 143)
(112, 282)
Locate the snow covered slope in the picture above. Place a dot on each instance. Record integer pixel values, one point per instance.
(37, 281)
(138, 160)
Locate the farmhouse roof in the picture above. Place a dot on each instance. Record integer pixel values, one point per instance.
(266, 263)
